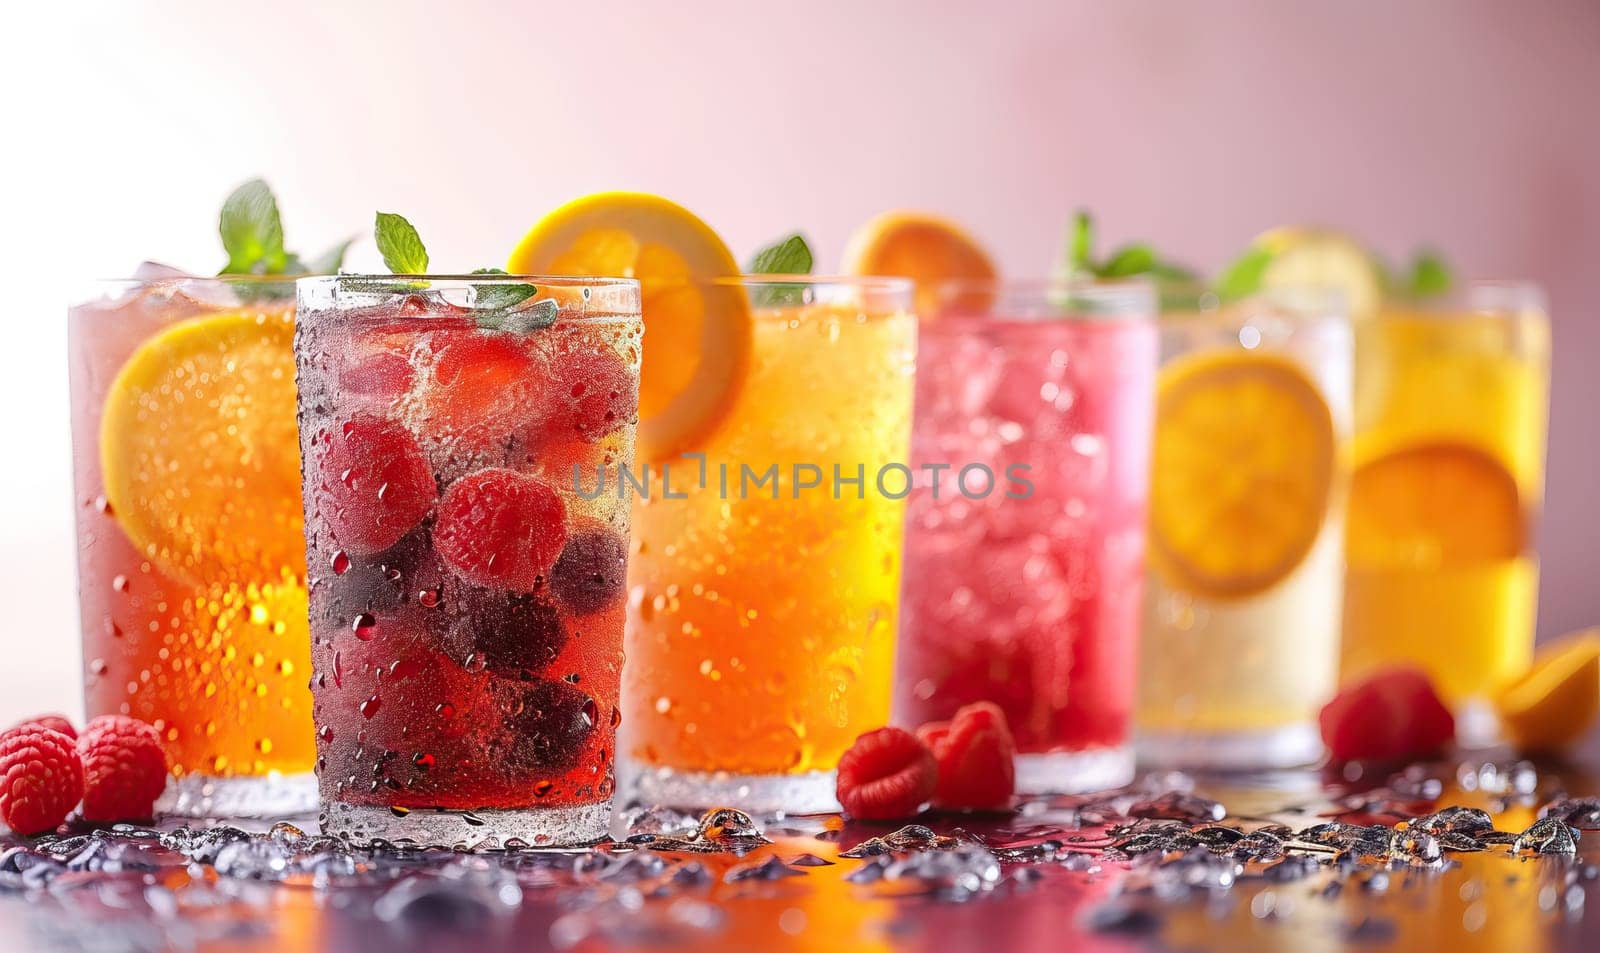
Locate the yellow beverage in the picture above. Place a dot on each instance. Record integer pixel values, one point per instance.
(1451, 413)
(1241, 623)
(762, 603)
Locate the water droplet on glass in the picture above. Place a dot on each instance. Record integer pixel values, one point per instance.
(341, 563)
(365, 627)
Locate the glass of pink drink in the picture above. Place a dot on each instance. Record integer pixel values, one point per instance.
(1028, 595)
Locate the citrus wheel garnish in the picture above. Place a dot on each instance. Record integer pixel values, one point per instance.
(697, 336)
(199, 451)
(1243, 468)
(928, 249)
(1321, 258)
(1433, 506)
(1554, 702)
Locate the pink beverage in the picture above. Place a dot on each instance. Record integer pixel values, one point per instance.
(1028, 595)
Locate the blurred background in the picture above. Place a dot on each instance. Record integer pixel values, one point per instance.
(1465, 124)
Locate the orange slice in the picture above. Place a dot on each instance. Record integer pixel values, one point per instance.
(1243, 466)
(1553, 704)
(926, 248)
(1432, 506)
(199, 452)
(697, 336)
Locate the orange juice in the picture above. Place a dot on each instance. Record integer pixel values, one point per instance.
(762, 614)
(1451, 405)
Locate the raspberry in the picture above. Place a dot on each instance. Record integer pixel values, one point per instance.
(41, 778)
(591, 571)
(976, 758)
(887, 774)
(513, 634)
(501, 529)
(124, 769)
(553, 721)
(53, 722)
(487, 386)
(600, 392)
(1390, 715)
(373, 483)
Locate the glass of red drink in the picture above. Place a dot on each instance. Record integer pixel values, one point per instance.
(1024, 551)
(466, 591)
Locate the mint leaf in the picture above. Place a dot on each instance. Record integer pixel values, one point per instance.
(500, 296)
(252, 232)
(1080, 243)
(1137, 259)
(329, 262)
(540, 314)
(1242, 278)
(400, 245)
(1430, 276)
(787, 256)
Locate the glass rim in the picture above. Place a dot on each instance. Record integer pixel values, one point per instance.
(563, 281)
(886, 284)
(1130, 298)
(1480, 297)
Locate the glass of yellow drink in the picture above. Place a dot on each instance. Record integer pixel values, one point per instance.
(1243, 592)
(765, 571)
(1451, 407)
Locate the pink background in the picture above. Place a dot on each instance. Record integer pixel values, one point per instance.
(1471, 125)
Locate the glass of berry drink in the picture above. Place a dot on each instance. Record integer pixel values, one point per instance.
(1024, 554)
(466, 594)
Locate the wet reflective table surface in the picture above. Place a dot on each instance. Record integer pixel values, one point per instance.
(1305, 860)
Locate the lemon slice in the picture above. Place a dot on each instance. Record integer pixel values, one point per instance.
(199, 451)
(697, 336)
(1433, 506)
(926, 248)
(1553, 704)
(1321, 258)
(1243, 467)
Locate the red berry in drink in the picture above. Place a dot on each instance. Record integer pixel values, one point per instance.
(599, 391)
(372, 483)
(514, 635)
(976, 758)
(591, 571)
(886, 775)
(1390, 715)
(486, 386)
(552, 721)
(501, 529)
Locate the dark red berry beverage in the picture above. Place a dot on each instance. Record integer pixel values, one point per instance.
(466, 577)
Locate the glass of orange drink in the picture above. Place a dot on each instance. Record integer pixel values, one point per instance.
(1246, 530)
(191, 561)
(763, 577)
(1451, 404)
(763, 602)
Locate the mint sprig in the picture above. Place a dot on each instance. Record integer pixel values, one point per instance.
(496, 305)
(1429, 276)
(400, 245)
(252, 234)
(1134, 258)
(1243, 276)
(501, 295)
(789, 255)
(252, 231)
